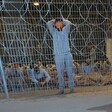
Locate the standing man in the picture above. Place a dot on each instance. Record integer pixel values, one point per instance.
(92, 56)
(59, 29)
(92, 53)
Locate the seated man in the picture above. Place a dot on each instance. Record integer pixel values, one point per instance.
(38, 74)
(77, 67)
(41, 75)
(31, 74)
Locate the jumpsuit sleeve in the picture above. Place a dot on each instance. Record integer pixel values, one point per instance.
(48, 78)
(30, 74)
(50, 26)
(67, 24)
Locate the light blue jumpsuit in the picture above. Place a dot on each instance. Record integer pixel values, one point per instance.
(63, 57)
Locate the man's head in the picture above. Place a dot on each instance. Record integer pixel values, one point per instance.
(59, 24)
(36, 69)
(90, 45)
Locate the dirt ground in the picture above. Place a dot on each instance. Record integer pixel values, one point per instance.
(87, 102)
(50, 92)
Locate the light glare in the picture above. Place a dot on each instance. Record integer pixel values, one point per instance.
(36, 3)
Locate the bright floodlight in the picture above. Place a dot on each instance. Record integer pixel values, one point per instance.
(36, 3)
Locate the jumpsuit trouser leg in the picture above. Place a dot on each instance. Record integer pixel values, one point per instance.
(69, 68)
(61, 61)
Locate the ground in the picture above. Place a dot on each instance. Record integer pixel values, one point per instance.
(85, 102)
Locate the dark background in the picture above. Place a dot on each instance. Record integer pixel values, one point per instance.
(22, 30)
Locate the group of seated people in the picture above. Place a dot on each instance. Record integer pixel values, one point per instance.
(86, 67)
(99, 73)
(39, 75)
(21, 74)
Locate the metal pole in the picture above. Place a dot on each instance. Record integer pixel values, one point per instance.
(4, 80)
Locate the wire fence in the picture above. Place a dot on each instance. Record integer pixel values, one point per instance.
(20, 81)
(26, 46)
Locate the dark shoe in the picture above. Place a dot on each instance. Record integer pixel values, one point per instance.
(71, 90)
(60, 92)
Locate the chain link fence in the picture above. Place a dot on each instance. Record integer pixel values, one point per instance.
(26, 46)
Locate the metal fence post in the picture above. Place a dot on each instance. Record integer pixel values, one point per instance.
(4, 80)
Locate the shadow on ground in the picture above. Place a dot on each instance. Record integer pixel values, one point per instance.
(106, 108)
